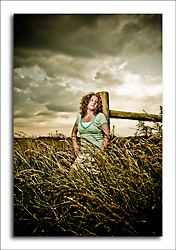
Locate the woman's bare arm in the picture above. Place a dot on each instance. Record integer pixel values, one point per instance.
(74, 139)
(106, 135)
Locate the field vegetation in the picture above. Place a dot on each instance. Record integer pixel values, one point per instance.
(122, 198)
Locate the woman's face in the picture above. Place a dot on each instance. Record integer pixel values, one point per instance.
(93, 103)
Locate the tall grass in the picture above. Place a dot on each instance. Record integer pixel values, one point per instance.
(123, 198)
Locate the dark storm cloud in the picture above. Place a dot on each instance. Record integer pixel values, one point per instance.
(22, 115)
(55, 33)
(46, 114)
(61, 108)
(21, 83)
(86, 35)
(106, 78)
(54, 96)
(20, 98)
(39, 98)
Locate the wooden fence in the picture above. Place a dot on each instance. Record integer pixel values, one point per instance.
(125, 115)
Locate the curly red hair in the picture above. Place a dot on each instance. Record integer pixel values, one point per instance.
(85, 101)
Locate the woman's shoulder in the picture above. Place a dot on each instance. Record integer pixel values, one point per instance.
(100, 115)
(78, 119)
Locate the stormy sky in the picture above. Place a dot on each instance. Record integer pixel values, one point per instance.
(59, 58)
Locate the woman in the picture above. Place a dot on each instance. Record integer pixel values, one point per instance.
(92, 126)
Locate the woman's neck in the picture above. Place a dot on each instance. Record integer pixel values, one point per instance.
(89, 116)
(90, 113)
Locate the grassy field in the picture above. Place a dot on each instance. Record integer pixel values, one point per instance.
(123, 198)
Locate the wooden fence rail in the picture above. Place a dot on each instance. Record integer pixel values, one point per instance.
(125, 115)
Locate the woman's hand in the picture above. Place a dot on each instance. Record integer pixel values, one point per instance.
(77, 149)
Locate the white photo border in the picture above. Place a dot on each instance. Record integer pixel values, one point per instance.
(167, 9)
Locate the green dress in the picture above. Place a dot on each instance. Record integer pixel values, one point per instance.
(91, 141)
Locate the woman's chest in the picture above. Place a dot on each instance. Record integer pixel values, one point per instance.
(88, 118)
(89, 127)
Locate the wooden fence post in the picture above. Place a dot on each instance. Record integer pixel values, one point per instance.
(105, 101)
